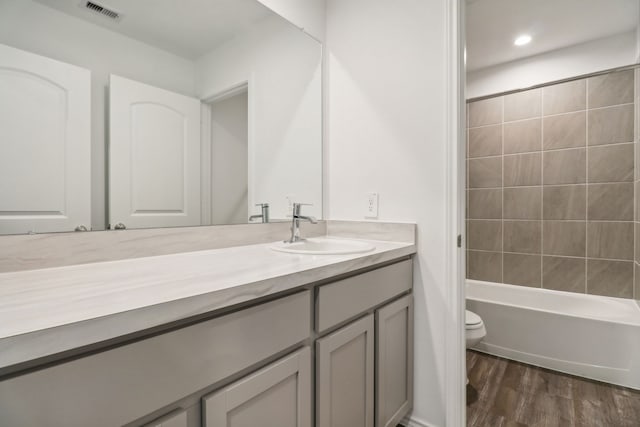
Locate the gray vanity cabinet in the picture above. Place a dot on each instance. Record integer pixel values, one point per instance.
(345, 381)
(121, 385)
(364, 370)
(394, 368)
(278, 395)
(252, 366)
(174, 419)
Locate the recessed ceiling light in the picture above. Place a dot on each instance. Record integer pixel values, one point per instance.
(522, 40)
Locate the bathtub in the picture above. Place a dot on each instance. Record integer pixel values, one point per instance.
(589, 336)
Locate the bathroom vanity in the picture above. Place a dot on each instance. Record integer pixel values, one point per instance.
(248, 337)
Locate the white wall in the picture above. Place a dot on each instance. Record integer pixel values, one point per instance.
(42, 30)
(229, 154)
(283, 68)
(306, 14)
(598, 55)
(386, 94)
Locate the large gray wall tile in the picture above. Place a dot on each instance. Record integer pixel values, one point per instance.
(485, 172)
(523, 203)
(564, 274)
(523, 270)
(610, 240)
(565, 97)
(522, 105)
(485, 112)
(564, 238)
(522, 236)
(637, 241)
(636, 285)
(610, 278)
(610, 202)
(637, 151)
(611, 163)
(485, 266)
(637, 198)
(611, 125)
(523, 136)
(485, 204)
(554, 168)
(484, 235)
(485, 141)
(565, 166)
(611, 89)
(522, 169)
(565, 131)
(565, 202)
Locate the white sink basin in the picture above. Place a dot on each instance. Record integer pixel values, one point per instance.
(323, 246)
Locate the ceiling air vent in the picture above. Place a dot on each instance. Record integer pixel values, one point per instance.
(96, 8)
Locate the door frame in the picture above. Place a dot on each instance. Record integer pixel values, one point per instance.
(455, 347)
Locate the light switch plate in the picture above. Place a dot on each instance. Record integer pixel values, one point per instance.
(371, 209)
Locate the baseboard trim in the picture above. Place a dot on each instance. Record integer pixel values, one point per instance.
(414, 422)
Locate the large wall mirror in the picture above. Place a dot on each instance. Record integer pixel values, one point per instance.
(155, 113)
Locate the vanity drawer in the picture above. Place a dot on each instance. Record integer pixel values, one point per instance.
(123, 384)
(344, 299)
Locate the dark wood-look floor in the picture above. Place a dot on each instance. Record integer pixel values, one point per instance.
(510, 394)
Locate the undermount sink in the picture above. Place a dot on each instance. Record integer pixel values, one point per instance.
(323, 246)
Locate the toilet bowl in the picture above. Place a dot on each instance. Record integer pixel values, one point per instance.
(474, 328)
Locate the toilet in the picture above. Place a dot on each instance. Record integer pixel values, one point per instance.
(474, 328)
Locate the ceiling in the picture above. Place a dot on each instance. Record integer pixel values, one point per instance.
(188, 28)
(492, 26)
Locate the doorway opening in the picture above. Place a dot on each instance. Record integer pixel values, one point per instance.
(226, 175)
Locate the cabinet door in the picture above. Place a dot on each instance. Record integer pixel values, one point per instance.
(174, 419)
(45, 144)
(276, 396)
(154, 156)
(345, 376)
(394, 371)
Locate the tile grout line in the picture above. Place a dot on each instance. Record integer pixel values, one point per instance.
(502, 193)
(586, 180)
(627, 261)
(551, 185)
(543, 116)
(635, 178)
(553, 150)
(607, 221)
(542, 189)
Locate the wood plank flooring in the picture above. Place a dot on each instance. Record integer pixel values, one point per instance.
(512, 394)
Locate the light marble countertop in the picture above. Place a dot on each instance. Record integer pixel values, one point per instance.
(53, 310)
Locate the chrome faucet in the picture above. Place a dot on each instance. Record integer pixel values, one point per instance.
(295, 222)
(265, 213)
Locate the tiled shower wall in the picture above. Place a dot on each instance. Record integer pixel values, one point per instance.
(550, 191)
(636, 287)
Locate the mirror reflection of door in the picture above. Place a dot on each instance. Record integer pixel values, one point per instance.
(154, 156)
(45, 144)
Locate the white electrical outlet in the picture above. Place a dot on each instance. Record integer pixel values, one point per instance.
(371, 210)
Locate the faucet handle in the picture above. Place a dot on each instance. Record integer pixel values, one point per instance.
(265, 205)
(297, 206)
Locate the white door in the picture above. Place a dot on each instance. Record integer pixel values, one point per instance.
(45, 144)
(154, 156)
